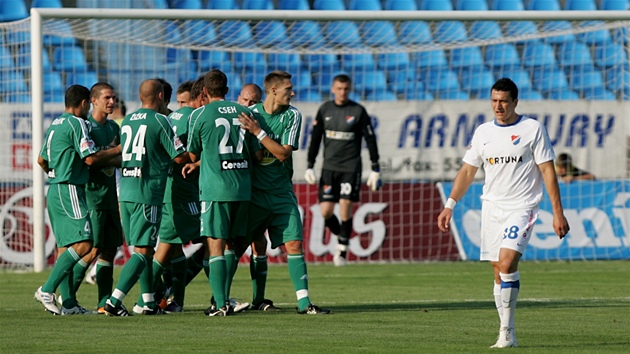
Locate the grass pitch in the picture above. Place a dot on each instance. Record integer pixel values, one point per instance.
(563, 307)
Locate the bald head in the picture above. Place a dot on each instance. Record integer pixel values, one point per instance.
(250, 95)
(151, 93)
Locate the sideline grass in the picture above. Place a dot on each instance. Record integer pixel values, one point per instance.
(564, 307)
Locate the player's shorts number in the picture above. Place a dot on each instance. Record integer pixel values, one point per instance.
(137, 148)
(345, 189)
(224, 148)
(511, 232)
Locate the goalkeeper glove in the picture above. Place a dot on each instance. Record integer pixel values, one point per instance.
(374, 179)
(310, 177)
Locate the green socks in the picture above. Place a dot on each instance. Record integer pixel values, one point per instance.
(299, 277)
(63, 267)
(218, 275)
(258, 272)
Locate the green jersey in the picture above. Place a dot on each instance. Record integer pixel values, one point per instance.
(224, 150)
(271, 175)
(180, 190)
(101, 187)
(66, 144)
(149, 144)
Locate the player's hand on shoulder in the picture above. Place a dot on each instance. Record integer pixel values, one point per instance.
(310, 176)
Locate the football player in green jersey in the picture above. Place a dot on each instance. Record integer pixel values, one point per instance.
(148, 146)
(66, 153)
(274, 204)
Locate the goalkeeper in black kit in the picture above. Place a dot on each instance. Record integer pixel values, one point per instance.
(342, 123)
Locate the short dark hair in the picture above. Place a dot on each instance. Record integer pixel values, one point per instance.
(343, 78)
(506, 85)
(96, 89)
(197, 88)
(168, 89)
(76, 94)
(565, 160)
(275, 77)
(120, 104)
(186, 86)
(215, 83)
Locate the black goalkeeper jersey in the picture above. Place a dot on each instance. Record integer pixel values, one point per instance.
(343, 129)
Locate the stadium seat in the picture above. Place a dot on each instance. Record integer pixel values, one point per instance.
(293, 5)
(401, 5)
(594, 37)
(483, 30)
(52, 82)
(436, 5)
(23, 59)
(303, 79)
(325, 62)
(12, 10)
(580, 5)
(358, 62)
(441, 79)
(614, 5)
(176, 58)
(150, 4)
(401, 80)
(85, 78)
(306, 34)
(338, 5)
(369, 81)
(598, 93)
(450, 31)
(612, 54)
(145, 58)
(617, 78)
(520, 78)
(381, 95)
(65, 37)
(222, 5)
(365, 5)
(529, 95)
(12, 81)
(47, 4)
(477, 81)
(544, 5)
(55, 96)
(6, 59)
(520, 28)
(550, 79)
(538, 54)
(471, 5)
(466, 58)
(503, 55)
(69, 59)
(249, 61)
(429, 59)
(396, 59)
(323, 80)
(308, 95)
(507, 5)
(378, 33)
(215, 59)
(550, 26)
(454, 95)
(200, 32)
(18, 38)
(342, 33)
(257, 5)
(270, 33)
(257, 78)
(419, 95)
(574, 55)
(235, 33)
(414, 33)
(586, 79)
(289, 62)
(186, 4)
(16, 97)
(562, 95)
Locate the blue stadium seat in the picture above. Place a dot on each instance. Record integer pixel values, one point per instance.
(16, 97)
(381, 95)
(544, 5)
(149, 4)
(466, 58)
(401, 80)
(69, 59)
(503, 55)
(200, 32)
(342, 33)
(396, 59)
(454, 95)
(614, 5)
(307, 95)
(550, 26)
(574, 55)
(176, 58)
(520, 77)
(222, 5)
(322, 62)
(235, 83)
(562, 95)
(378, 33)
(365, 5)
(358, 62)
(612, 54)
(257, 5)
(436, 5)
(249, 61)
(440, 79)
(215, 59)
(6, 59)
(582, 80)
(484, 30)
(52, 82)
(580, 5)
(550, 79)
(85, 78)
(270, 33)
(154, 58)
(369, 81)
(429, 59)
(520, 28)
(471, 5)
(186, 4)
(12, 81)
(257, 78)
(293, 5)
(306, 34)
(414, 33)
(18, 38)
(450, 31)
(66, 37)
(323, 80)
(302, 79)
(419, 96)
(12, 10)
(538, 54)
(598, 93)
(338, 5)
(235, 33)
(289, 62)
(477, 81)
(529, 95)
(47, 3)
(401, 5)
(23, 59)
(507, 5)
(54, 96)
(594, 37)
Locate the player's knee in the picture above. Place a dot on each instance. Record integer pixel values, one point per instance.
(82, 248)
(293, 247)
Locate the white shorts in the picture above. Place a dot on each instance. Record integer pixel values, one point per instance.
(504, 229)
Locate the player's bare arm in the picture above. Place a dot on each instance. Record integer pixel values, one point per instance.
(281, 152)
(43, 163)
(560, 223)
(462, 182)
(102, 157)
(182, 158)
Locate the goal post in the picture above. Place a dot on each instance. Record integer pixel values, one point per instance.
(426, 95)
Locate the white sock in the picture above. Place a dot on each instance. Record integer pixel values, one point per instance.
(510, 286)
(497, 299)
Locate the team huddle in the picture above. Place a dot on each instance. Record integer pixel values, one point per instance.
(213, 172)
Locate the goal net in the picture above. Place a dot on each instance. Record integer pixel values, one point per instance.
(424, 78)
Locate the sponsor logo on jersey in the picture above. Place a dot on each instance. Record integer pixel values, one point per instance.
(267, 158)
(135, 172)
(51, 173)
(335, 135)
(516, 139)
(504, 159)
(108, 171)
(177, 142)
(327, 189)
(350, 120)
(240, 164)
(327, 118)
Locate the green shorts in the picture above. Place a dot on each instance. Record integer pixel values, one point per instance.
(180, 223)
(106, 228)
(141, 223)
(278, 214)
(68, 214)
(224, 220)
